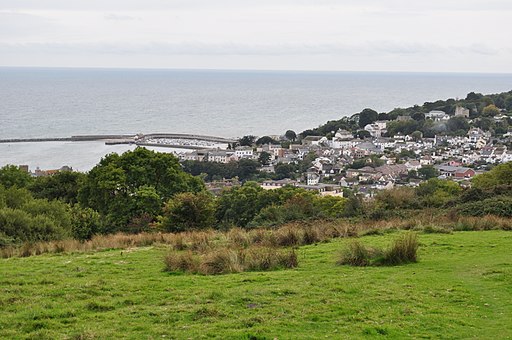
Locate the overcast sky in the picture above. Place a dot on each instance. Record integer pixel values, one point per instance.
(350, 35)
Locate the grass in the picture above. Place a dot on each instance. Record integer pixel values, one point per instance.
(403, 250)
(460, 288)
(290, 234)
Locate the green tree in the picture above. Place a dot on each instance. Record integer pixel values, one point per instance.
(63, 185)
(247, 140)
(264, 158)
(485, 123)
(490, 111)
(266, 140)
(417, 135)
(189, 211)
(458, 125)
(85, 223)
(127, 186)
(238, 206)
(428, 172)
(508, 103)
(283, 170)
(362, 134)
(290, 135)
(11, 175)
(498, 176)
(437, 193)
(418, 116)
(367, 116)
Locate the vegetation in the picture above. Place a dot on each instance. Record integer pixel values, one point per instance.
(458, 289)
(481, 108)
(403, 250)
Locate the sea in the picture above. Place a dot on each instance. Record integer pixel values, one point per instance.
(63, 102)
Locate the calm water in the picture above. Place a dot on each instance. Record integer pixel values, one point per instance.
(65, 102)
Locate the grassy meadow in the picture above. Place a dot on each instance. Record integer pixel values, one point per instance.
(460, 288)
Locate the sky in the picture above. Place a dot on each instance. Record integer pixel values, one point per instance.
(341, 35)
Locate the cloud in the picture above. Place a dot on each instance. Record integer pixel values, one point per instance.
(377, 48)
(120, 17)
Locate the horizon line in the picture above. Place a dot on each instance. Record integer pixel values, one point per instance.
(249, 70)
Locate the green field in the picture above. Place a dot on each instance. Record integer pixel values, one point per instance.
(460, 288)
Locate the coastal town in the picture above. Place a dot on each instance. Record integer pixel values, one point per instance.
(363, 153)
(376, 162)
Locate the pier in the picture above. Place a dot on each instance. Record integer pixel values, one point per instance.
(138, 139)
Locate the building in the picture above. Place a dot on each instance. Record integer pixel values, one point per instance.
(437, 115)
(461, 112)
(455, 172)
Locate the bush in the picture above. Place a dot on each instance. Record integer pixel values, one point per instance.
(223, 261)
(404, 250)
(181, 262)
(499, 206)
(188, 211)
(356, 254)
(267, 258)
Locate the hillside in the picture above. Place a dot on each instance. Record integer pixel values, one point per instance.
(458, 289)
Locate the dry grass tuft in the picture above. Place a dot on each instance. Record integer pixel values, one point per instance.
(182, 262)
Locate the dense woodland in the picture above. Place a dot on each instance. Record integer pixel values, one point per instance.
(142, 190)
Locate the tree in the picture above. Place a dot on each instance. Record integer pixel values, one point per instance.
(418, 116)
(436, 192)
(458, 125)
(472, 96)
(508, 103)
(63, 185)
(85, 223)
(290, 135)
(384, 116)
(238, 206)
(367, 116)
(189, 211)
(362, 134)
(247, 140)
(11, 175)
(264, 158)
(266, 140)
(136, 183)
(417, 135)
(499, 175)
(283, 170)
(485, 123)
(490, 111)
(428, 172)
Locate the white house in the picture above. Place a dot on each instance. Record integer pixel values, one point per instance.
(437, 115)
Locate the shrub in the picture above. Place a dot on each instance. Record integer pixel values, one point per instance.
(499, 206)
(267, 258)
(221, 261)
(181, 262)
(288, 236)
(356, 254)
(404, 250)
(238, 237)
(432, 229)
(188, 211)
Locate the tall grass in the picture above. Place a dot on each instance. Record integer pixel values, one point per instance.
(403, 250)
(291, 234)
(227, 260)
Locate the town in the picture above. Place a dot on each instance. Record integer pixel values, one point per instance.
(363, 153)
(374, 157)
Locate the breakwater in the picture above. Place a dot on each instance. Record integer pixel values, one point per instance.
(121, 139)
